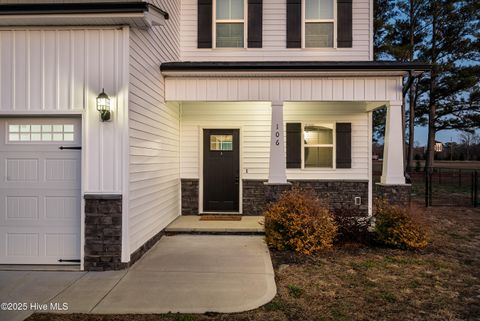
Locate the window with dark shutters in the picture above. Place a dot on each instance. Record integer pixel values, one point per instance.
(294, 23)
(204, 23)
(294, 145)
(344, 23)
(344, 145)
(255, 23)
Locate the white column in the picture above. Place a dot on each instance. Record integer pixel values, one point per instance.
(278, 163)
(392, 172)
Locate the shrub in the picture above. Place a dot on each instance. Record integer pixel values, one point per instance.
(299, 222)
(399, 227)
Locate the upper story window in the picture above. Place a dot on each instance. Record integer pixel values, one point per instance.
(230, 23)
(319, 23)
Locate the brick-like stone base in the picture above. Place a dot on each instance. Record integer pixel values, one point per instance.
(103, 233)
(135, 256)
(394, 194)
(338, 195)
(190, 192)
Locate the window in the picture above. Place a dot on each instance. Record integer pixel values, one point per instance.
(319, 16)
(41, 133)
(221, 142)
(230, 23)
(318, 146)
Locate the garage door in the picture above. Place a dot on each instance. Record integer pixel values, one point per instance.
(40, 190)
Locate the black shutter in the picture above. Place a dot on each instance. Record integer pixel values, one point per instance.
(294, 145)
(344, 23)
(255, 23)
(294, 23)
(204, 24)
(344, 145)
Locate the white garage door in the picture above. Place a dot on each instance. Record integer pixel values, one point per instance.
(40, 190)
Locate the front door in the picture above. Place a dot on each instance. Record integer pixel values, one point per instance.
(221, 170)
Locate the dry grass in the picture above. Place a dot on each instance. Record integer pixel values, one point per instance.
(354, 282)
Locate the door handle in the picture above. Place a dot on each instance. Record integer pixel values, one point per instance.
(237, 179)
(70, 147)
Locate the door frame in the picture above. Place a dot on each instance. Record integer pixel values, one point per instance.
(200, 168)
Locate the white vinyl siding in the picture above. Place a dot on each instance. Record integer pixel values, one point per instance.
(154, 173)
(253, 119)
(274, 38)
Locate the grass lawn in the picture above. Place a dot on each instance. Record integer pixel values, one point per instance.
(355, 282)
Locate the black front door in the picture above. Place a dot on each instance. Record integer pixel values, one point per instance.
(221, 170)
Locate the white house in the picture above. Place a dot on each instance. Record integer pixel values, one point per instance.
(215, 106)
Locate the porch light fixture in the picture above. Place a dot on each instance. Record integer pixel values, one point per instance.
(103, 106)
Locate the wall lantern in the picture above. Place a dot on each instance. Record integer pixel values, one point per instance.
(103, 106)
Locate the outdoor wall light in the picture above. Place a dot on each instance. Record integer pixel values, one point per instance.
(103, 106)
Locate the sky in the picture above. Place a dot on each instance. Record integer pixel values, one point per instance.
(444, 136)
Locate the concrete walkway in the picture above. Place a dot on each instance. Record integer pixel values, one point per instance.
(182, 273)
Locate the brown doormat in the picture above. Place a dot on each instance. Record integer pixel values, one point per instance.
(220, 217)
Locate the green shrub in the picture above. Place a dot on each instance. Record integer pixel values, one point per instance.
(299, 222)
(399, 227)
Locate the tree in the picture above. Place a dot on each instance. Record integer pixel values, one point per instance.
(449, 95)
(469, 140)
(401, 38)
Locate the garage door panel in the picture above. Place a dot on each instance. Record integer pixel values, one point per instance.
(39, 197)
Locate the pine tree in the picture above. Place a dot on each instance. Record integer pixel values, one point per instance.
(449, 94)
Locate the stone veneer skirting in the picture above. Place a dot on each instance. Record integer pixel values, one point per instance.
(339, 195)
(394, 194)
(103, 233)
(190, 192)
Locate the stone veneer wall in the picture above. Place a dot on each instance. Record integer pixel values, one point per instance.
(394, 194)
(103, 233)
(339, 195)
(190, 192)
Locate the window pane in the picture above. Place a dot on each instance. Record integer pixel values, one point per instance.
(57, 137)
(318, 35)
(221, 142)
(46, 137)
(25, 128)
(229, 9)
(319, 9)
(36, 136)
(13, 128)
(68, 137)
(46, 128)
(13, 137)
(229, 35)
(24, 137)
(68, 128)
(36, 128)
(58, 128)
(318, 157)
(317, 135)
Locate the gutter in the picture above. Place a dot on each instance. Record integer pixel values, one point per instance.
(307, 66)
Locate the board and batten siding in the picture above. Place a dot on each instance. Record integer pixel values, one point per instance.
(60, 71)
(275, 38)
(253, 119)
(154, 135)
(292, 88)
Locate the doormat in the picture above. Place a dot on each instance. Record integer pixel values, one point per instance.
(220, 217)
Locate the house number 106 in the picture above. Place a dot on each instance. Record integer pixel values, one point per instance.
(277, 135)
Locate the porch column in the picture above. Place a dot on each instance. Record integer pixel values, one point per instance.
(392, 172)
(278, 164)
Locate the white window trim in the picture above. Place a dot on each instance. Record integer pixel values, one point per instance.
(334, 145)
(215, 21)
(334, 21)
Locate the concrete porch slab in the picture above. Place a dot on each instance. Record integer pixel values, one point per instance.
(192, 224)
